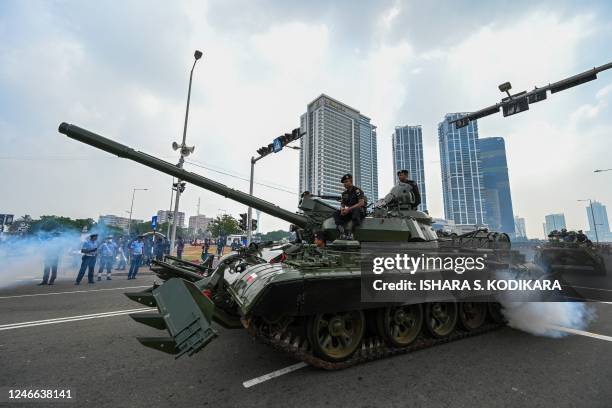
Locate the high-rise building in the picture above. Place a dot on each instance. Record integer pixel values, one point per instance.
(520, 231)
(600, 214)
(461, 175)
(407, 144)
(198, 224)
(554, 222)
(164, 216)
(118, 222)
(496, 185)
(338, 140)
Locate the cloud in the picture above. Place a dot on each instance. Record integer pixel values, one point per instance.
(397, 62)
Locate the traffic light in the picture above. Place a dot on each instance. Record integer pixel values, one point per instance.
(243, 222)
(280, 142)
(253, 225)
(265, 150)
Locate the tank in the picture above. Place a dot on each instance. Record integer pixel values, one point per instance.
(308, 301)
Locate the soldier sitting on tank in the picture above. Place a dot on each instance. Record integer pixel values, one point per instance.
(404, 194)
(352, 207)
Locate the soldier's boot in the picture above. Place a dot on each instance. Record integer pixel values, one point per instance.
(341, 231)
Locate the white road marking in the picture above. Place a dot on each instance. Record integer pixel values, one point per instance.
(273, 374)
(72, 291)
(21, 325)
(581, 333)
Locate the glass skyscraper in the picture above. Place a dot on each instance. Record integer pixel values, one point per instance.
(554, 222)
(521, 230)
(601, 221)
(461, 175)
(496, 185)
(338, 140)
(407, 144)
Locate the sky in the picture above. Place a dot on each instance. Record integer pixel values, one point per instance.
(121, 69)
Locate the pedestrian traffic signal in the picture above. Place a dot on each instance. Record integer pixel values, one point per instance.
(243, 222)
(253, 225)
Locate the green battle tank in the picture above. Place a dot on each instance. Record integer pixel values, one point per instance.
(315, 303)
(310, 302)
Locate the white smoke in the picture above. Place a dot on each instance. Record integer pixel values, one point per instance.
(542, 318)
(22, 258)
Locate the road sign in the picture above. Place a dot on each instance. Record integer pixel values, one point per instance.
(277, 145)
(154, 222)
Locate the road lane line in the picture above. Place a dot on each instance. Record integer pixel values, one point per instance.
(73, 291)
(21, 325)
(581, 333)
(73, 317)
(273, 374)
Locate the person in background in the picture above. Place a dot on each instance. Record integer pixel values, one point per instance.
(107, 254)
(51, 261)
(220, 246)
(159, 248)
(121, 254)
(148, 251)
(88, 261)
(180, 247)
(166, 246)
(136, 251)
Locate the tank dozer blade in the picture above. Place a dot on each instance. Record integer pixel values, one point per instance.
(165, 344)
(145, 297)
(168, 271)
(154, 320)
(187, 315)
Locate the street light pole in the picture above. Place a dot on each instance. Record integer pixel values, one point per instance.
(250, 209)
(185, 151)
(593, 218)
(132, 208)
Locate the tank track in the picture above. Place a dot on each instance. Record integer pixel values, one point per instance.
(372, 348)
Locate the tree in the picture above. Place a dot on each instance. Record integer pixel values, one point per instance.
(274, 235)
(224, 225)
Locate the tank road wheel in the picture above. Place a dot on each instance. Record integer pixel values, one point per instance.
(495, 312)
(336, 336)
(441, 318)
(472, 315)
(400, 325)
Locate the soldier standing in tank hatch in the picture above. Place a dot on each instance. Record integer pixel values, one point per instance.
(406, 191)
(352, 207)
(404, 177)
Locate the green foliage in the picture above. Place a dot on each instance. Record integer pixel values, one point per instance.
(274, 235)
(54, 222)
(224, 225)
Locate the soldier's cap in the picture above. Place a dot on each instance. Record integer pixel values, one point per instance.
(93, 235)
(403, 172)
(319, 235)
(346, 177)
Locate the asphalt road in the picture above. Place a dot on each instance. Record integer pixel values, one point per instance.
(103, 365)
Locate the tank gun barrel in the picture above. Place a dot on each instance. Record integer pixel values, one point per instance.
(110, 146)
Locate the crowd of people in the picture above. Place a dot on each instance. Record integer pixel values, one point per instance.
(108, 254)
(111, 253)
